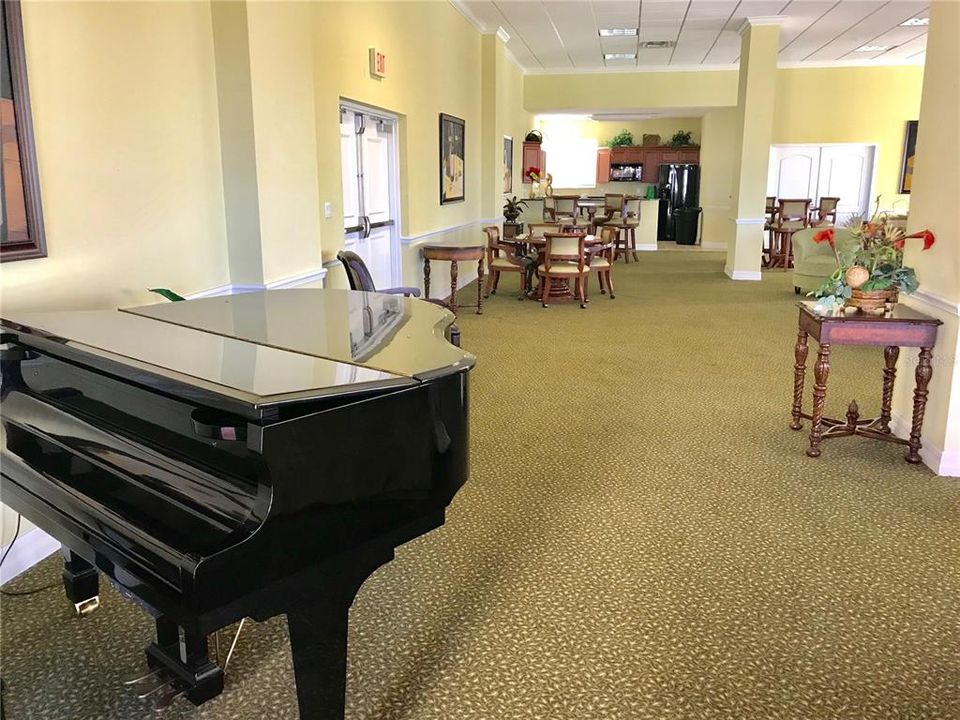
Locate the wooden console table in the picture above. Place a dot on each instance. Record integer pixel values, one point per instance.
(453, 254)
(901, 327)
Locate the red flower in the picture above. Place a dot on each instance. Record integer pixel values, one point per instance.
(898, 244)
(824, 235)
(928, 239)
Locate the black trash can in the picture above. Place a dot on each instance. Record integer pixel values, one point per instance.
(686, 221)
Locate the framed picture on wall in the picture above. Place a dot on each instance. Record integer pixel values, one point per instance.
(451, 159)
(507, 164)
(21, 219)
(909, 150)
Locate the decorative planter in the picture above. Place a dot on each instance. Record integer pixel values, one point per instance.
(872, 300)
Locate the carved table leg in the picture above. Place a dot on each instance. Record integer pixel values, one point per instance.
(890, 355)
(924, 373)
(821, 371)
(479, 285)
(799, 369)
(453, 285)
(426, 278)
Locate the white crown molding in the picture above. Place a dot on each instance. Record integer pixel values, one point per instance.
(812, 65)
(29, 549)
(503, 34)
(761, 21)
(471, 18)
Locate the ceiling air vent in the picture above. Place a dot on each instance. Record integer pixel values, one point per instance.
(657, 44)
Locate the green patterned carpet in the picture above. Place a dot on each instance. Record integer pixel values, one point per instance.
(642, 538)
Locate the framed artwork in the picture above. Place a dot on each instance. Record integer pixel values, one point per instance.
(21, 219)
(507, 164)
(451, 159)
(909, 150)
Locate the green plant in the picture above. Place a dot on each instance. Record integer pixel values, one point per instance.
(168, 294)
(681, 138)
(512, 208)
(623, 138)
(874, 263)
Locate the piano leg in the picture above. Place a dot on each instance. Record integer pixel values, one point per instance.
(181, 650)
(318, 643)
(80, 582)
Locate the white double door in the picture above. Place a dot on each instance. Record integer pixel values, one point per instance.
(370, 205)
(816, 171)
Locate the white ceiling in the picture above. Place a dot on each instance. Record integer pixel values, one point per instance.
(563, 36)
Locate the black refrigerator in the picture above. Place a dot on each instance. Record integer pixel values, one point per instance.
(679, 203)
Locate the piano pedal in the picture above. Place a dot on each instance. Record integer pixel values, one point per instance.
(87, 607)
(161, 681)
(165, 700)
(144, 676)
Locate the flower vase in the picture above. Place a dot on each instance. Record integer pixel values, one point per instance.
(872, 300)
(534, 189)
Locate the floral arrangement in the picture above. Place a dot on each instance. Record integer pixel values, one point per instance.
(874, 263)
(532, 173)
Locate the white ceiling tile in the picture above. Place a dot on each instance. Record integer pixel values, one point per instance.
(906, 50)
(834, 23)
(864, 32)
(616, 13)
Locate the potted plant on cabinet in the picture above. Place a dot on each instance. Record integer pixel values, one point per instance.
(512, 209)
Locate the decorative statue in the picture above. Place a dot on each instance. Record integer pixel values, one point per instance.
(548, 187)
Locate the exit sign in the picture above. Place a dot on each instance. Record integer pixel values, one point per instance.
(378, 63)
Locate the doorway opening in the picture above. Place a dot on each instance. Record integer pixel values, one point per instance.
(371, 189)
(843, 170)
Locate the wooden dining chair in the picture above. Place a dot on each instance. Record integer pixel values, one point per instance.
(792, 214)
(612, 209)
(769, 218)
(826, 212)
(601, 260)
(567, 209)
(502, 257)
(537, 230)
(564, 261)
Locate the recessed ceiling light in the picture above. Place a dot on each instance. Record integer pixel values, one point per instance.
(915, 21)
(657, 44)
(873, 48)
(619, 56)
(617, 32)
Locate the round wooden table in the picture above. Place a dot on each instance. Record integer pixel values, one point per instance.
(454, 254)
(539, 244)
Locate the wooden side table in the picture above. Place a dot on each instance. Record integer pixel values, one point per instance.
(454, 254)
(900, 327)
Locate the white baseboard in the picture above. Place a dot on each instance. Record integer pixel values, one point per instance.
(944, 463)
(29, 549)
(647, 247)
(743, 274)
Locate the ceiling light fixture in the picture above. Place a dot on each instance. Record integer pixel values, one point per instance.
(657, 44)
(914, 22)
(873, 48)
(618, 32)
(619, 56)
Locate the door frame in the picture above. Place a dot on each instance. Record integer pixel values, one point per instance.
(396, 262)
(871, 198)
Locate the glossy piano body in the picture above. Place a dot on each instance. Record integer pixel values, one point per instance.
(252, 455)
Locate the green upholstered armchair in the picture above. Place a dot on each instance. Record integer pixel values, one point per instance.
(812, 262)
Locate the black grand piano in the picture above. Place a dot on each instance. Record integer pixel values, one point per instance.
(230, 457)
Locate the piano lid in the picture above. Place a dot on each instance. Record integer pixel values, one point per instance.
(391, 333)
(245, 371)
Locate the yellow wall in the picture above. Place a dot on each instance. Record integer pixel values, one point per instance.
(604, 130)
(852, 105)
(622, 91)
(717, 172)
(934, 206)
(128, 152)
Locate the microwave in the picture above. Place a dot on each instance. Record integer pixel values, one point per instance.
(626, 173)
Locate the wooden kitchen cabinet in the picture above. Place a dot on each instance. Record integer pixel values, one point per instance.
(651, 165)
(690, 155)
(533, 156)
(603, 166)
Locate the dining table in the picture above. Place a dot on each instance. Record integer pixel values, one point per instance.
(526, 244)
